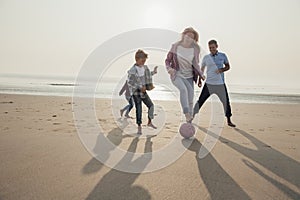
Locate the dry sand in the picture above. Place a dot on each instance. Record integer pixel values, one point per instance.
(42, 157)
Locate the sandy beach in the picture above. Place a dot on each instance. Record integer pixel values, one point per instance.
(42, 156)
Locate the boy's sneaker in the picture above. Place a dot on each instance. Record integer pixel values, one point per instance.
(151, 125)
(139, 132)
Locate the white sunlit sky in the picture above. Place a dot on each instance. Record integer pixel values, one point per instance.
(51, 37)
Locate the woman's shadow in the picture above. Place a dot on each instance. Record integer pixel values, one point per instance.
(273, 160)
(218, 182)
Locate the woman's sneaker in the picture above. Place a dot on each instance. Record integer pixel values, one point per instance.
(188, 118)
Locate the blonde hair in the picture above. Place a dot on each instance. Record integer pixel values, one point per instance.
(190, 30)
(140, 54)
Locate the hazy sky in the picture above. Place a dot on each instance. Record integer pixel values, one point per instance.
(54, 37)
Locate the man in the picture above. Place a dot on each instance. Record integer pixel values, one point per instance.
(216, 64)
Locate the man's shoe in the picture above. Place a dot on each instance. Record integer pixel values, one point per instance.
(231, 124)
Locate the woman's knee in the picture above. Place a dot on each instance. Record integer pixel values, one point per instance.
(183, 91)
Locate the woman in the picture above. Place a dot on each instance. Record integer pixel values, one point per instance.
(182, 64)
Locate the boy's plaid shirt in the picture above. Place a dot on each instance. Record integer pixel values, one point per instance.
(134, 81)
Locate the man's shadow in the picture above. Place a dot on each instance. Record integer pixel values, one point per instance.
(218, 182)
(119, 185)
(273, 160)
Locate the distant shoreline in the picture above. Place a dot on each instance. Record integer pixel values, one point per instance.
(234, 101)
(165, 91)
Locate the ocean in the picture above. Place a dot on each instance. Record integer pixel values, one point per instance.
(109, 88)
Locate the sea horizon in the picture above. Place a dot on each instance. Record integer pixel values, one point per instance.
(109, 87)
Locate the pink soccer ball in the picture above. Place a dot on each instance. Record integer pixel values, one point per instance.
(187, 130)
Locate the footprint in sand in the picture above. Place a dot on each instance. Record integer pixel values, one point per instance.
(7, 102)
(267, 146)
(56, 123)
(226, 142)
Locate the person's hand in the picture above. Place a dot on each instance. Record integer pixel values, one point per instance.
(155, 69)
(171, 71)
(219, 71)
(199, 84)
(143, 89)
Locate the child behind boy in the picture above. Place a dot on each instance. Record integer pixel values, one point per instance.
(128, 98)
(140, 80)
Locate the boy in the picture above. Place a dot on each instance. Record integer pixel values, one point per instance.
(140, 80)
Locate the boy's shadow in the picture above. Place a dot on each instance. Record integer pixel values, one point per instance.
(116, 184)
(119, 185)
(115, 136)
(218, 182)
(273, 160)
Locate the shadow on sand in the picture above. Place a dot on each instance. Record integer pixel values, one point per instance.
(217, 181)
(271, 159)
(116, 184)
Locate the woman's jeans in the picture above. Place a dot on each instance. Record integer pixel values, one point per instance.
(186, 90)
